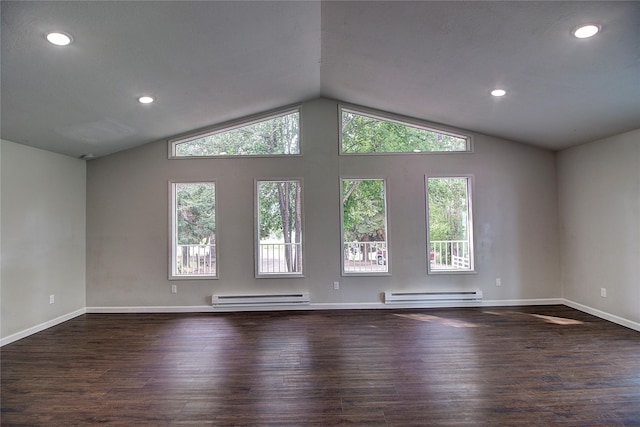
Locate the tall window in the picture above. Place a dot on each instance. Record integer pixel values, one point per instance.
(193, 226)
(364, 226)
(272, 135)
(279, 228)
(449, 228)
(368, 133)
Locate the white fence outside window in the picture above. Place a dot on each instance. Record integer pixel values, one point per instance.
(196, 260)
(359, 257)
(365, 257)
(272, 257)
(450, 255)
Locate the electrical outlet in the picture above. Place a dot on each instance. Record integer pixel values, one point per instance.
(52, 299)
(603, 292)
(336, 285)
(498, 281)
(174, 289)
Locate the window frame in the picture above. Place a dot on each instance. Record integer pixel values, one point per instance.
(233, 125)
(256, 227)
(470, 190)
(385, 181)
(173, 232)
(402, 120)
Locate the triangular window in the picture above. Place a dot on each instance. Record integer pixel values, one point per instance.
(370, 133)
(273, 135)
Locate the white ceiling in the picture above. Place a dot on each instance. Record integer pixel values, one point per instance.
(209, 62)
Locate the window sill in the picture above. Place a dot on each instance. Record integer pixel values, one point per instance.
(279, 276)
(438, 272)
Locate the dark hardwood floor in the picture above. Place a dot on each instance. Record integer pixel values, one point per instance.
(517, 366)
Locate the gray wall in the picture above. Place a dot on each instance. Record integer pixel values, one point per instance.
(43, 236)
(515, 216)
(599, 193)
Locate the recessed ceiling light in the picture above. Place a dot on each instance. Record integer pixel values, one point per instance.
(59, 39)
(586, 31)
(498, 92)
(145, 99)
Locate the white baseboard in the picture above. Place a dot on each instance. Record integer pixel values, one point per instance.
(153, 309)
(436, 304)
(517, 302)
(603, 315)
(41, 327)
(324, 306)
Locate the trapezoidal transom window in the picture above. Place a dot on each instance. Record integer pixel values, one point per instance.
(364, 132)
(273, 134)
(193, 249)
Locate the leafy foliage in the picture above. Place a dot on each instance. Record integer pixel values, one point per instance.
(448, 208)
(274, 136)
(364, 210)
(275, 216)
(195, 212)
(367, 134)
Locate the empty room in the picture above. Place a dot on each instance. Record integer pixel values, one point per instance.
(316, 213)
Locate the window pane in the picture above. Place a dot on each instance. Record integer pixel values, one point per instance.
(278, 135)
(364, 226)
(450, 237)
(279, 205)
(362, 133)
(194, 225)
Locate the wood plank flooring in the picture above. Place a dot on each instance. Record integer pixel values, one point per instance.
(516, 366)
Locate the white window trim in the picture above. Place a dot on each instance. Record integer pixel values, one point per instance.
(470, 190)
(173, 228)
(235, 124)
(403, 120)
(386, 227)
(256, 232)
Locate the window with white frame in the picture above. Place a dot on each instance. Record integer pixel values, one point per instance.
(193, 230)
(365, 248)
(364, 132)
(275, 134)
(449, 224)
(279, 230)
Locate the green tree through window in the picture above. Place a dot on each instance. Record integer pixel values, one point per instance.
(194, 224)
(364, 226)
(449, 224)
(279, 205)
(363, 133)
(275, 135)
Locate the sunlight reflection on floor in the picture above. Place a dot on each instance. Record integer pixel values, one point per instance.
(548, 319)
(448, 322)
(463, 324)
(558, 320)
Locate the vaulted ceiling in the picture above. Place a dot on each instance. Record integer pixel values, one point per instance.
(209, 62)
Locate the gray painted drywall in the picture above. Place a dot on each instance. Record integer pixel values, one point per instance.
(43, 236)
(599, 194)
(515, 216)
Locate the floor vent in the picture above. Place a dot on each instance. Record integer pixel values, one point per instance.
(258, 300)
(406, 297)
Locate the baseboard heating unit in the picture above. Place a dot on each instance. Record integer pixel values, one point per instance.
(415, 297)
(259, 300)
